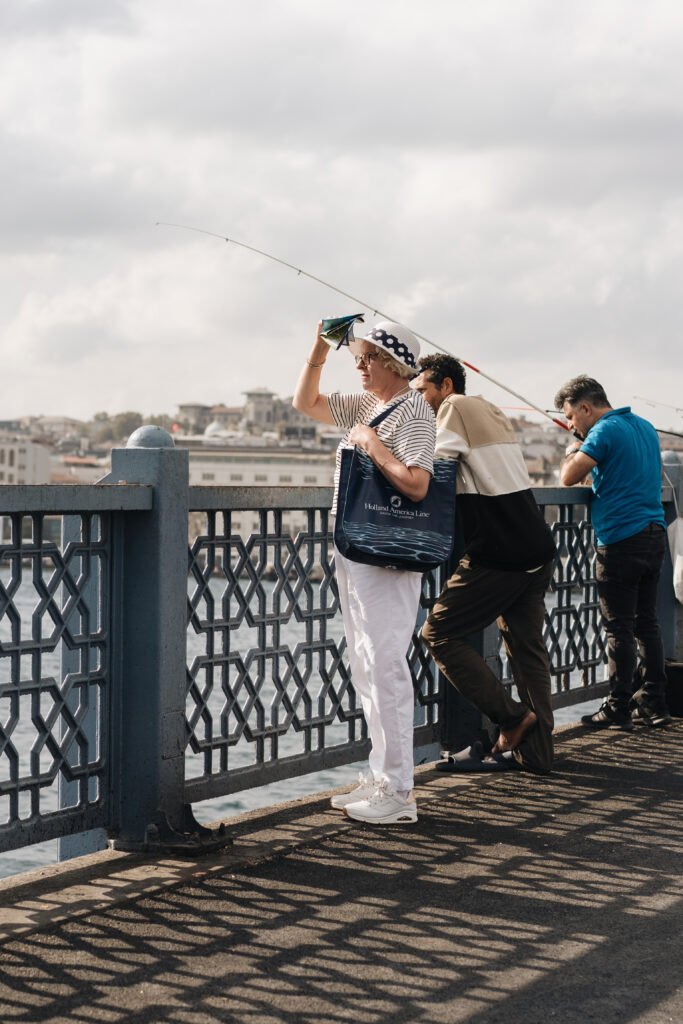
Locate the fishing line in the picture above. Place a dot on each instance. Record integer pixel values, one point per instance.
(649, 401)
(373, 309)
(660, 430)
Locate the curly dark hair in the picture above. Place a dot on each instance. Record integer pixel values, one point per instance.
(581, 389)
(439, 367)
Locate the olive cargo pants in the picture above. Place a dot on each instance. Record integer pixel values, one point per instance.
(472, 599)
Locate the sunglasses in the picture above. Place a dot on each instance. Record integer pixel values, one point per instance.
(366, 358)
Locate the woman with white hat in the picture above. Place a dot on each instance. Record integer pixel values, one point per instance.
(379, 606)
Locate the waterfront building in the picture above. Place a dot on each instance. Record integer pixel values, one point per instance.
(243, 460)
(22, 461)
(259, 408)
(77, 469)
(57, 427)
(228, 417)
(262, 411)
(195, 417)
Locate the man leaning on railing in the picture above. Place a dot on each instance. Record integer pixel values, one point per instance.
(621, 452)
(502, 575)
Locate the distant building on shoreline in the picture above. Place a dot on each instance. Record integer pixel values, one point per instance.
(22, 461)
(263, 442)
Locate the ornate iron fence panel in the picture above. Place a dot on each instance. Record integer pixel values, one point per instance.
(573, 635)
(54, 675)
(59, 612)
(269, 687)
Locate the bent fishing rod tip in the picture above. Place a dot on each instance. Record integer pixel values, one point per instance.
(376, 312)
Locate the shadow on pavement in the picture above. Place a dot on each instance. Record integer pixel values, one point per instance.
(516, 898)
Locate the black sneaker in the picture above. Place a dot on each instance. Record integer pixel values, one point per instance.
(654, 714)
(609, 717)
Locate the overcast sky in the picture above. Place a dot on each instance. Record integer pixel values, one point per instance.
(506, 177)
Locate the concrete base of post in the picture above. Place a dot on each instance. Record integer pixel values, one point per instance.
(160, 838)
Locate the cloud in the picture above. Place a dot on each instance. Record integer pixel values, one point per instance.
(21, 19)
(506, 179)
(388, 76)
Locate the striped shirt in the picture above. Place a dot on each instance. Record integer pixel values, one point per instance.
(408, 432)
(502, 524)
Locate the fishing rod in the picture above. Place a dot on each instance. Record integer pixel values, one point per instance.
(670, 433)
(649, 401)
(660, 430)
(366, 305)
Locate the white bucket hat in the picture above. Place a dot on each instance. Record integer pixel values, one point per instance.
(397, 340)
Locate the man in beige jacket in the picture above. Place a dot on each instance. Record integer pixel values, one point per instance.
(503, 573)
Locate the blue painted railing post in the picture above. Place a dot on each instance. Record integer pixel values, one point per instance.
(150, 734)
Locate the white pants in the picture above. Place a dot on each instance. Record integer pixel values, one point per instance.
(379, 609)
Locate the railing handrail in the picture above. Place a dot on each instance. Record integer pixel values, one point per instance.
(58, 499)
(216, 497)
(242, 499)
(105, 497)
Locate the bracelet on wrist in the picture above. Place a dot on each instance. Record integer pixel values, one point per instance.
(315, 365)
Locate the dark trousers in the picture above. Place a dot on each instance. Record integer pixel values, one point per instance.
(627, 573)
(471, 600)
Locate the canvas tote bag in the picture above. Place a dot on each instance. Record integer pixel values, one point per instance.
(377, 525)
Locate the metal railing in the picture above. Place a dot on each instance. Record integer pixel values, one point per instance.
(57, 657)
(270, 694)
(140, 673)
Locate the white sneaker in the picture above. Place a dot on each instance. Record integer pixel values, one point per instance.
(384, 807)
(365, 788)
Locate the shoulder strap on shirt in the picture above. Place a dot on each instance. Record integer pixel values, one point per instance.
(385, 412)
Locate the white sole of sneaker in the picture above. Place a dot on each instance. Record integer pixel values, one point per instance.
(338, 803)
(407, 816)
(341, 800)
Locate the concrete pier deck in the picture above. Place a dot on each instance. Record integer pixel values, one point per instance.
(514, 898)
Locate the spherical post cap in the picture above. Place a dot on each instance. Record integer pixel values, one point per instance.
(150, 437)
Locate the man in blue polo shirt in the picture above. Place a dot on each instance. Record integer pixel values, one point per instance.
(621, 451)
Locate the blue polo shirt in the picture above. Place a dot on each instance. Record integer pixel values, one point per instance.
(627, 480)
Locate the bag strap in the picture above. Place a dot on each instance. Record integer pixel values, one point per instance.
(386, 412)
